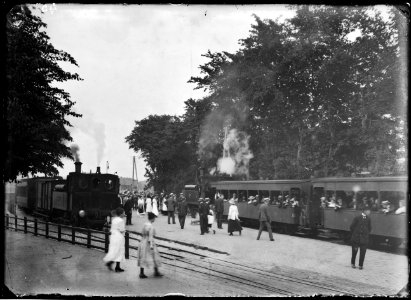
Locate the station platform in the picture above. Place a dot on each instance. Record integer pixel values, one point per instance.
(35, 265)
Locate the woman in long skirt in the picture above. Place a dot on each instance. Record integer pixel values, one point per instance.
(148, 254)
(233, 220)
(155, 206)
(149, 204)
(116, 249)
(140, 203)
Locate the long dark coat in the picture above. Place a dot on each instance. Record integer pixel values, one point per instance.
(360, 230)
(182, 207)
(219, 205)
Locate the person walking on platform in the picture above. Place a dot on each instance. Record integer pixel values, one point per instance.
(116, 249)
(149, 204)
(265, 219)
(360, 230)
(219, 209)
(140, 203)
(233, 220)
(134, 198)
(155, 205)
(128, 208)
(171, 203)
(210, 219)
(182, 211)
(203, 214)
(148, 254)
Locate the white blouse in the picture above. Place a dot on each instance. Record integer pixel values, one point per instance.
(233, 213)
(117, 225)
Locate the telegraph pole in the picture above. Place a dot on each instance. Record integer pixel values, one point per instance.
(134, 169)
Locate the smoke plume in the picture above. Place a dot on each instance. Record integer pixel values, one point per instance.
(94, 129)
(74, 148)
(236, 154)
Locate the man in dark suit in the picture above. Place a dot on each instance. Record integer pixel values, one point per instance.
(219, 209)
(182, 211)
(171, 203)
(203, 210)
(360, 231)
(128, 207)
(265, 219)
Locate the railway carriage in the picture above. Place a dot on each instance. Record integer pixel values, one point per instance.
(391, 226)
(285, 217)
(312, 216)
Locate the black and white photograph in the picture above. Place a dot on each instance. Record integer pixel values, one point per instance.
(203, 150)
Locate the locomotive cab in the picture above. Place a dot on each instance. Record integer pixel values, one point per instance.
(91, 197)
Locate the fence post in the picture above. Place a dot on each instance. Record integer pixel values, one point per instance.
(59, 233)
(7, 221)
(127, 245)
(73, 235)
(25, 224)
(106, 240)
(15, 223)
(35, 226)
(88, 238)
(47, 230)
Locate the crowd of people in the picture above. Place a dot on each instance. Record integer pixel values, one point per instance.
(371, 203)
(148, 254)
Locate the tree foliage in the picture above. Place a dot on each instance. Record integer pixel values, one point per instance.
(320, 95)
(320, 103)
(35, 110)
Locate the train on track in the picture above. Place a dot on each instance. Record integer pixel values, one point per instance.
(83, 199)
(313, 214)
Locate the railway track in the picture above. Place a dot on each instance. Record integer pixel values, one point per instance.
(215, 269)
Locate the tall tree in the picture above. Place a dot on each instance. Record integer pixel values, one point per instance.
(35, 110)
(163, 142)
(318, 102)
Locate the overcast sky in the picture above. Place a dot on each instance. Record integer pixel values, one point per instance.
(135, 61)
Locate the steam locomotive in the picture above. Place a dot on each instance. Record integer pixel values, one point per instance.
(82, 199)
(311, 216)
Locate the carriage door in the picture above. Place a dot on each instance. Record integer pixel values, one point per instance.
(316, 212)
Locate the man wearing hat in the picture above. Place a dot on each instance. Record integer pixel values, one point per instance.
(219, 209)
(265, 219)
(171, 203)
(203, 210)
(251, 199)
(182, 211)
(360, 230)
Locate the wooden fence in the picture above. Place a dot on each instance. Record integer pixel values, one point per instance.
(66, 233)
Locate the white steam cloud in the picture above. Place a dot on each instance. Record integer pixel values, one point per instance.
(94, 129)
(236, 154)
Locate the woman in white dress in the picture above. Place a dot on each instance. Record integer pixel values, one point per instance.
(148, 254)
(233, 220)
(155, 206)
(116, 249)
(149, 206)
(140, 203)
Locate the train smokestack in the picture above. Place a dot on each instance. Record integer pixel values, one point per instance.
(98, 170)
(78, 166)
